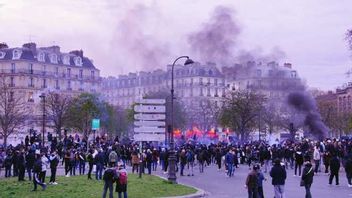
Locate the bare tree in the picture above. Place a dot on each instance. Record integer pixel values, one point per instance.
(57, 106)
(13, 110)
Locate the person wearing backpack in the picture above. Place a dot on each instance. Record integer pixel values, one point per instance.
(109, 177)
(252, 183)
(307, 178)
(121, 183)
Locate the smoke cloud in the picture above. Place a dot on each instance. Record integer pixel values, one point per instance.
(305, 104)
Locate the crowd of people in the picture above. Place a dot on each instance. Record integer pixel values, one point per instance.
(110, 158)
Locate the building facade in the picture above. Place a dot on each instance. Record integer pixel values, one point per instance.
(34, 71)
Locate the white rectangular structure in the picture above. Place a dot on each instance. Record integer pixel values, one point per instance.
(149, 123)
(149, 109)
(149, 137)
(151, 101)
(145, 129)
(149, 116)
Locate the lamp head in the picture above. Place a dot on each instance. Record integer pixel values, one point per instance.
(188, 61)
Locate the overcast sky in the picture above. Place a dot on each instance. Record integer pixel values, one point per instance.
(310, 32)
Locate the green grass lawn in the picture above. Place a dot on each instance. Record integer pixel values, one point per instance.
(80, 187)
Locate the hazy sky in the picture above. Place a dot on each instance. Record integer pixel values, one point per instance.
(115, 34)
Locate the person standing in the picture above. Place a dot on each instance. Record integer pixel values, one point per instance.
(298, 162)
(109, 177)
(326, 161)
(229, 160)
(278, 174)
(135, 161)
(190, 162)
(121, 183)
(54, 161)
(307, 177)
(30, 158)
(82, 162)
(8, 164)
(334, 169)
(99, 161)
(317, 158)
(252, 183)
(45, 162)
(90, 160)
(37, 169)
(149, 159)
(261, 178)
(21, 164)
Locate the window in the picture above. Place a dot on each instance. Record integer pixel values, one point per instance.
(201, 92)
(13, 67)
(2, 55)
(53, 58)
(81, 85)
(259, 73)
(44, 69)
(41, 57)
(16, 54)
(57, 84)
(216, 82)
(81, 73)
(57, 71)
(200, 81)
(191, 81)
(30, 97)
(69, 72)
(12, 81)
(11, 96)
(208, 91)
(69, 85)
(92, 74)
(78, 61)
(30, 68)
(31, 84)
(66, 60)
(44, 83)
(293, 74)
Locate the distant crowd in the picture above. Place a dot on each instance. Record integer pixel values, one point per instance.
(110, 159)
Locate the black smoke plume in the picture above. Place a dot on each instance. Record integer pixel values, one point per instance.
(305, 104)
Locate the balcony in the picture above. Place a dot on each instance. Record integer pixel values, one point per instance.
(57, 87)
(12, 85)
(31, 85)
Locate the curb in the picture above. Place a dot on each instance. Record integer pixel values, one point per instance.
(199, 193)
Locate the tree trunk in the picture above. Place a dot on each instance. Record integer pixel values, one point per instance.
(5, 140)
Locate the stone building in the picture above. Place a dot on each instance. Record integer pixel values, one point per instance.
(33, 71)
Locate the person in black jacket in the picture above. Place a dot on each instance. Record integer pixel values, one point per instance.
(183, 161)
(334, 169)
(30, 158)
(37, 168)
(348, 170)
(8, 164)
(298, 156)
(278, 174)
(54, 161)
(90, 160)
(307, 178)
(21, 165)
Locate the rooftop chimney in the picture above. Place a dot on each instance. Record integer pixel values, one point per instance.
(3, 46)
(288, 65)
(77, 53)
(31, 46)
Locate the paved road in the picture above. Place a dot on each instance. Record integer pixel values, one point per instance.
(220, 186)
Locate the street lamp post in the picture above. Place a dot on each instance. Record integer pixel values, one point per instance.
(44, 116)
(172, 156)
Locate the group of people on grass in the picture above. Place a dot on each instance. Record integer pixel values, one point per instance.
(75, 155)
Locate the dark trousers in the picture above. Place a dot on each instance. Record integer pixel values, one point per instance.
(53, 175)
(90, 170)
(326, 168)
(349, 178)
(332, 175)
(42, 176)
(149, 167)
(252, 193)
(73, 168)
(15, 170)
(182, 168)
(99, 172)
(8, 171)
(82, 167)
(134, 167)
(124, 194)
(201, 167)
(29, 171)
(299, 166)
(67, 167)
(21, 172)
(108, 185)
(154, 165)
(260, 192)
(36, 181)
(317, 163)
(308, 193)
(219, 164)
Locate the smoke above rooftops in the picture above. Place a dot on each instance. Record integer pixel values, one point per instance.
(142, 39)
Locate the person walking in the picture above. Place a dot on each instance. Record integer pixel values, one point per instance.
(278, 175)
(90, 160)
(135, 161)
(252, 183)
(121, 183)
(37, 169)
(99, 161)
(334, 169)
(30, 158)
(261, 178)
(21, 164)
(183, 161)
(348, 170)
(45, 162)
(82, 162)
(307, 178)
(229, 160)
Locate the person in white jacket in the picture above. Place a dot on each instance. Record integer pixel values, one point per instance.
(316, 157)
